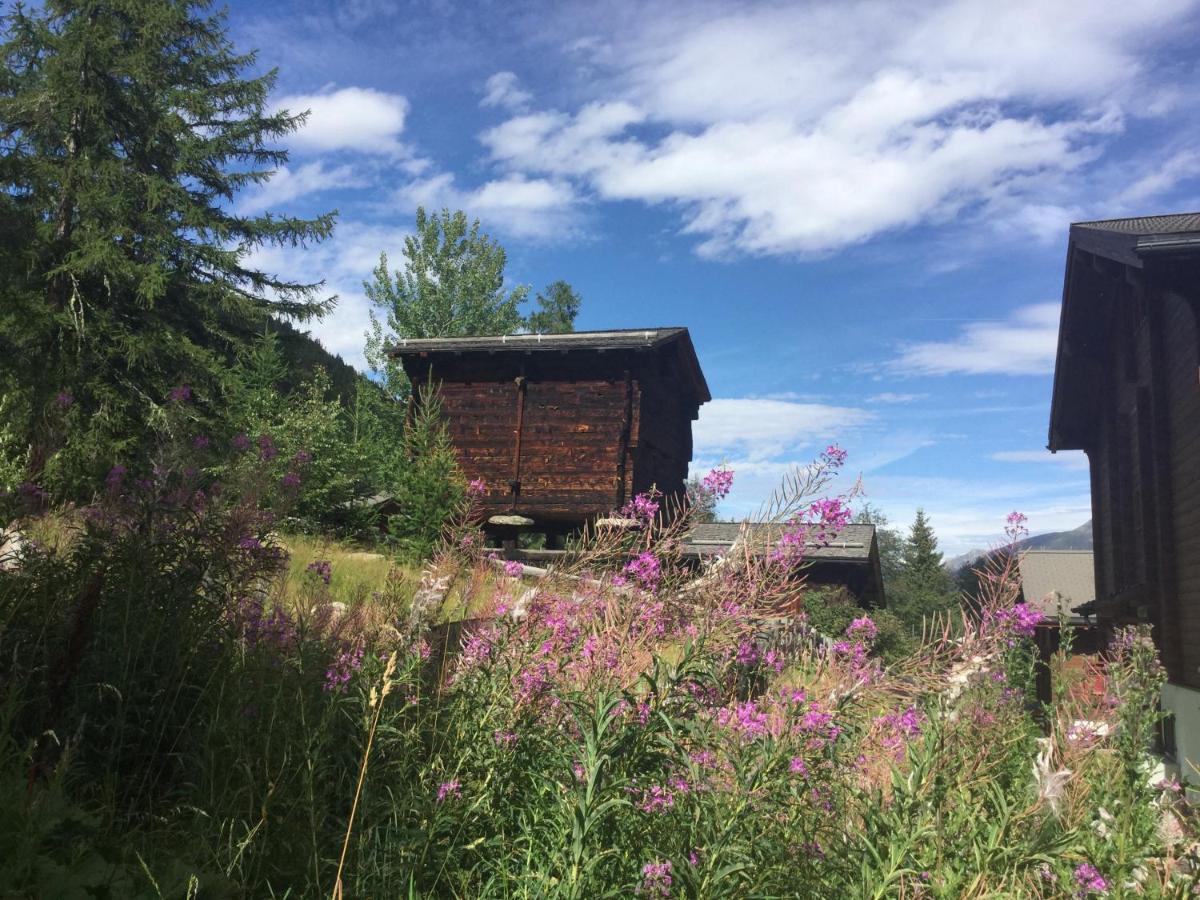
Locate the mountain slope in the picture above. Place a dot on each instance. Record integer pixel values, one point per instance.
(1076, 539)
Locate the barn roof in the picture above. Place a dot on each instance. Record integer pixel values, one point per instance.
(852, 544)
(1130, 240)
(1057, 580)
(629, 339)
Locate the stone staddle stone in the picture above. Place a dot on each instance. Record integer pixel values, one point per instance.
(511, 521)
(618, 523)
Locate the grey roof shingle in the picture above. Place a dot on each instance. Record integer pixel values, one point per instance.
(616, 339)
(1130, 240)
(1174, 223)
(853, 543)
(1054, 580)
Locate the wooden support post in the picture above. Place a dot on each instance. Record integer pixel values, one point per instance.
(515, 484)
(623, 443)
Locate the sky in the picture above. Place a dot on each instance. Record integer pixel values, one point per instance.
(859, 209)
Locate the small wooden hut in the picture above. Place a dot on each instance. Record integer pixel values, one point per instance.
(565, 428)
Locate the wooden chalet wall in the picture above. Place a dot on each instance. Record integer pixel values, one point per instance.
(1139, 422)
(565, 436)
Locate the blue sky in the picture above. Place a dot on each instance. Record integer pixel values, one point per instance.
(859, 209)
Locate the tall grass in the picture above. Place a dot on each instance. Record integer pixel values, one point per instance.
(187, 710)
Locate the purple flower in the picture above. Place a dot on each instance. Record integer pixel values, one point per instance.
(449, 789)
(115, 477)
(718, 483)
(1089, 880)
(798, 767)
(642, 507)
(834, 456)
(266, 448)
(656, 879)
(290, 480)
(476, 487)
(241, 443)
(646, 569)
(1015, 526)
(64, 399)
(200, 442)
(514, 569)
(322, 568)
(862, 629)
(181, 394)
(347, 662)
(302, 458)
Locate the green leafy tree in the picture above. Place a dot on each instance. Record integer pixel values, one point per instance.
(923, 587)
(126, 130)
(557, 308)
(452, 284)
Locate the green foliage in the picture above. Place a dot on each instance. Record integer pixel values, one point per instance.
(557, 309)
(891, 545)
(429, 487)
(831, 610)
(452, 283)
(126, 131)
(923, 588)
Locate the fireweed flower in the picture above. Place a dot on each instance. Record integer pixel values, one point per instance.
(290, 480)
(266, 448)
(116, 475)
(718, 483)
(798, 767)
(302, 458)
(241, 442)
(181, 394)
(342, 669)
(642, 507)
(64, 399)
(862, 629)
(476, 487)
(200, 442)
(834, 456)
(1089, 880)
(1015, 526)
(322, 568)
(449, 789)
(645, 569)
(656, 879)
(514, 569)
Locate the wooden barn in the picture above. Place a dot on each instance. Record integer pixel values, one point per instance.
(565, 428)
(1127, 392)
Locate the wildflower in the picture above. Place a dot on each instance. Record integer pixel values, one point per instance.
(448, 789)
(646, 569)
(339, 673)
(1089, 880)
(747, 654)
(200, 442)
(322, 568)
(513, 569)
(476, 487)
(115, 476)
(241, 442)
(656, 879)
(798, 767)
(1015, 526)
(718, 483)
(64, 399)
(834, 456)
(302, 458)
(642, 507)
(504, 738)
(181, 394)
(290, 480)
(250, 543)
(656, 799)
(862, 629)
(266, 448)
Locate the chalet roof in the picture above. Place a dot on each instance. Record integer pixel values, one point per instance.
(600, 341)
(852, 544)
(1058, 580)
(1131, 244)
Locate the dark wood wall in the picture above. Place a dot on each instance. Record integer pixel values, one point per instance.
(576, 433)
(1144, 450)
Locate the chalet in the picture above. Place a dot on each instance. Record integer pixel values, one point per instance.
(565, 428)
(1060, 584)
(1126, 391)
(848, 559)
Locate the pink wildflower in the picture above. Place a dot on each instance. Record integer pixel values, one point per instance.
(1089, 880)
(476, 487)
(449, 789)
(514, 569)
(718, 483)
(862, 629)
(656, 880)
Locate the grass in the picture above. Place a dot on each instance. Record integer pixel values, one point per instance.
(357, 574)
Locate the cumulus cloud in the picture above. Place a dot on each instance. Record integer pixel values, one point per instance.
(806, 129)
(757, 429)
(350, 118)
(1025, 344)
(537, 208)
(504, 90)
(288, 184)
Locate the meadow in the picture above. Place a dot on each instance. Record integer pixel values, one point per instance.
(193, 704)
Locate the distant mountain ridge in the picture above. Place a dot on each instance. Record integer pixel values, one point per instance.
(1076, 539)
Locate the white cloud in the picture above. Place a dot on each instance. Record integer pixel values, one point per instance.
(1069, 459)
(524, 207)
(1023, 345)
(288, 184)
(758, 429)
(890, 397)
(343, 262)
(504, 90)
(808, 128)
(351, 118)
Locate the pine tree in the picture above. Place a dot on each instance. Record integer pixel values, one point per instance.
(557, 309)
(126, 131)
(923, 587)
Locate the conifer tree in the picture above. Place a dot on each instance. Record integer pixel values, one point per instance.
(923, 586)
(126, 131)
